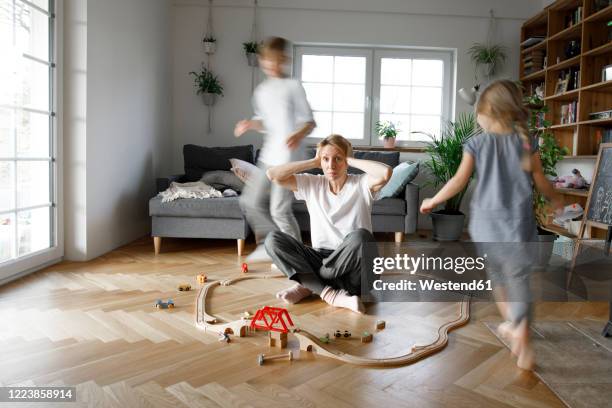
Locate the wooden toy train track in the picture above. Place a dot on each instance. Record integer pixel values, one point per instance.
(310, 342)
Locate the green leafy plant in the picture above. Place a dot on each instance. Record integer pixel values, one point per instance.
(482, 54)
(386, 129)
(209, 38)
(207, 82)
(445, 154)
(250, 47)
(550, 151)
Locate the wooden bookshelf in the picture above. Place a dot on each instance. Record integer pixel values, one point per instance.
(561, 26)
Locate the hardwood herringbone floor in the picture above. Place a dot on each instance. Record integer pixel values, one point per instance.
(92, 325)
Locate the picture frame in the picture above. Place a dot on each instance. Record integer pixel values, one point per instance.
(606, 73)
(562, 85)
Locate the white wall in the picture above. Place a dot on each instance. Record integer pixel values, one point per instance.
(120, 115)
(433, 23)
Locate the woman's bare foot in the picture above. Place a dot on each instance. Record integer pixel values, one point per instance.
(294, 294)
(341, 298)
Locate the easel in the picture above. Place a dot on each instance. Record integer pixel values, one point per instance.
(587, 226)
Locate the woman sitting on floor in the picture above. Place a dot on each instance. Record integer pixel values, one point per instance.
(340, 207)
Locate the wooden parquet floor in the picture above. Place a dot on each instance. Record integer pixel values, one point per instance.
(93, 325)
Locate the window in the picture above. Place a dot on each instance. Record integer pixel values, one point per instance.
(27, 128)
(351, 89)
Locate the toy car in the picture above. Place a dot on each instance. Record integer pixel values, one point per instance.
(164, 305)
(184, 287)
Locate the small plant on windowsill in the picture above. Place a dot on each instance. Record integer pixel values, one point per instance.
(208, 85)
(210, 44)
(387, 131)
(250, 49)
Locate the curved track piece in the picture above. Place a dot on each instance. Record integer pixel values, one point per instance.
(310, 342)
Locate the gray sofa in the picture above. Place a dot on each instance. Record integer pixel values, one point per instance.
(222, 217)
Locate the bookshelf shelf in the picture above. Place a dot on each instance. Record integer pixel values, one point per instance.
(565, 96)
(535, 75)
(565, 64)
(572, 32)
(539, 46)
(601, 50)
(601, 15)
(573, 191)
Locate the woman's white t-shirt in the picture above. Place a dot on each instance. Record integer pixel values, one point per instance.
(334, 216)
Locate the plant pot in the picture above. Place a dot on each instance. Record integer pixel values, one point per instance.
(546, 241)
(210, 47)
(447, 225)
(488, 69)
(389, 142)
(252, 59)
(209, 98)
(468, 96)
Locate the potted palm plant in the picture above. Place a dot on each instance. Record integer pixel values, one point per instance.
(489, 57)
(445, 154)
(387, 131)
(208, 85)
(210, 44)
(250, 49)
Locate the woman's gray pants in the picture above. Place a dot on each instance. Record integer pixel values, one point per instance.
(317, 268)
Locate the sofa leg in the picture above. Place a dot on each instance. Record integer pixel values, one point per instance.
(240, 247)
(157, 244)
(399, 237)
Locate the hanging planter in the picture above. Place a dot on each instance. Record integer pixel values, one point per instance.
(208, 85)
(250, 49)
(210, 44)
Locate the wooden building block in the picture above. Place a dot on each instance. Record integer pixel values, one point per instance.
(277, 339)
(366, 337)
(380, 324)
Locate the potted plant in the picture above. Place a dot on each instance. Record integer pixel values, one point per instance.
(550, 154)
(387, 131)
(208, 85)
(210, 44)
(445, 154)
(251, 48)
(489, 57)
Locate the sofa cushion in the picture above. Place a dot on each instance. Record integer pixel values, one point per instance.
(403, 174)
(222, 179)
(199, 159)
(386, 206)
(224, 207)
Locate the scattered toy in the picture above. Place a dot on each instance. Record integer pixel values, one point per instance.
(246, 315)
(366, 337)
(184, 287)
(164, 305)
(201, 278)
(325, 339)
(337, 333)
(245, 268)
(380, 324)
(347, 333)
(277, 339)
(262, 357)
(224, 337)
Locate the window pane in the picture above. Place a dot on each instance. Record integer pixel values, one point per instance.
(395, 71)
(402, 123)
(324, 124)
(7, 185)
(317, 68)
(7, 133)
(32, 32)
(319, 96)
(32, 183)
(7, 237)
(43, 4)
(395, 99)
(32, 135)
(349, 98)
(426, 124)
(33, 230)
(349, 125)
(33, 85)
(427, 101)
(427, 72)
(350, 69)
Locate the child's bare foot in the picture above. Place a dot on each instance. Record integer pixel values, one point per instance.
(505, 331)
(294, 294)
(526, 358)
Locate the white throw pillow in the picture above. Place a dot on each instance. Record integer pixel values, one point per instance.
(245, 171)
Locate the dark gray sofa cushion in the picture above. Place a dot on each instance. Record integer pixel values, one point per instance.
(225, 207)
(199, 159)
(386, 206)
(223, 179)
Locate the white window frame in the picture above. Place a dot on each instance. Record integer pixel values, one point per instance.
(374, 54)
(16, 267)
(300, 50)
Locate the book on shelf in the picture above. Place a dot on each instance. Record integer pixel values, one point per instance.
(533, 40)
(569, 112)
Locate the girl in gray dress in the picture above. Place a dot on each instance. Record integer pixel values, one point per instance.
(507, 165)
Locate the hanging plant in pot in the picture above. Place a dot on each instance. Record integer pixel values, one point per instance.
(488, 57)
(445, 154)
(250, 49)
(210, 44)
(208, 85)
(387, 131)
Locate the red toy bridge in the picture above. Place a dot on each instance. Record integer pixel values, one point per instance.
(272, 319)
